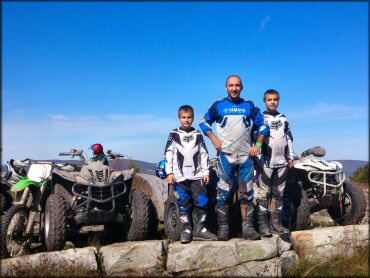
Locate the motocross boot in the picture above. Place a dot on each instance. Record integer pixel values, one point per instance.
(248, 230)
(186, 235)
(200, 231)
(223, 222)
(263, 220)
(275, 220)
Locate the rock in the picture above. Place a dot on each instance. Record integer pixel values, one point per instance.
(67, 263)
(209, 256)
(283, 243)
(287, 260)
(275, 267)
(326, 242)
(143, 258)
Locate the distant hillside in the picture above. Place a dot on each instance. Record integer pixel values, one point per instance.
(145, 167)
(350, 166)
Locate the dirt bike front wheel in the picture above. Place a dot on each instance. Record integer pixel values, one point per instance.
(14, 242)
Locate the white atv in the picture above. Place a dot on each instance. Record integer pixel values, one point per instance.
(315, 184)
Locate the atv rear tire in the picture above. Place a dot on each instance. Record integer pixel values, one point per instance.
(55, 222)
(354, 206)
(296, 209)
(139, 216)
(3, 203)
(13, 226)
(172, 223)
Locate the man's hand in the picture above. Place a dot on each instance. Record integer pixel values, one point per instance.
(217, 143)
(171, 179)
(254, 151)
(291, 163)
(206, 179)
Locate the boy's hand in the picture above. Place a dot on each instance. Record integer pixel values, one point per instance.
(291, 163)
(206, 179)
(171, 179)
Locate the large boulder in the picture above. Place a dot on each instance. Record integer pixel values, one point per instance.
(143, 258)
(210, 256)
(67, 263)
(329, 241)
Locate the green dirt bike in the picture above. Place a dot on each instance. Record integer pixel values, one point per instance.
(15, 171)
(22, 224)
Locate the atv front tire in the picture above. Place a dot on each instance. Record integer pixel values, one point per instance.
(172, 223)
(354, 206)
(55, 222)
(13, 243)
(139, 216)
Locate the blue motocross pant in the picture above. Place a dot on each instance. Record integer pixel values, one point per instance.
(228, 165)
(191, 192)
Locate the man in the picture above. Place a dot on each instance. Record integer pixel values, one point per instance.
(233, 116)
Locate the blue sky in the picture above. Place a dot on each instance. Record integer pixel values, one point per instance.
(74, 74)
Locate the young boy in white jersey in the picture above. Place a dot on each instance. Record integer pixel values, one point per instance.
(277, 156)
(187, 169)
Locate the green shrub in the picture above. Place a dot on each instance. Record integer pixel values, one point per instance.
(361, 174)
(337, 266)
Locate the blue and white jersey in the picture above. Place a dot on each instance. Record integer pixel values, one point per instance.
(234, 125)
(277, 148)
(186, 155)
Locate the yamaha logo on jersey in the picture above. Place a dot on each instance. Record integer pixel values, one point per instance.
(234, 110)
(276, 125)
(187, 139)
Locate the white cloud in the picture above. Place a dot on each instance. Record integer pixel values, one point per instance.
(264, 23)
(142, 137)
(323, 112)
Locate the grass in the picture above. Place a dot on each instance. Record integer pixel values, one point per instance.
(317, 223)
(340, 265)
(363, 185)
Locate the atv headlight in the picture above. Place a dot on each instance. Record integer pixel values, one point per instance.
(80, 179)
(338, 164)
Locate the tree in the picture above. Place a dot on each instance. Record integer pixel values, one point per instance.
(361, 174)
(131, 163)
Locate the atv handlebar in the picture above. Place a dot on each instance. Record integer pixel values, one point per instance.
(114, 155)
(74, 153)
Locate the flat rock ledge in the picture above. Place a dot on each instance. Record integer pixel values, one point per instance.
(66, 263)
(326, 242)
(237, 257)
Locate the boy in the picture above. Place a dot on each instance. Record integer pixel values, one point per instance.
(276, 157)
(187, 168)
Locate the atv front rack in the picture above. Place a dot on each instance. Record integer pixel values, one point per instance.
(338, 176)
(99, 193)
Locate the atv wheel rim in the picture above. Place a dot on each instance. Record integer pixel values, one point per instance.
(347, 204)
(173, 217)
(16, 242)
(47, 223)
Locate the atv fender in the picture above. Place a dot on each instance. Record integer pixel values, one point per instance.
(155, 188)
(22, 184)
